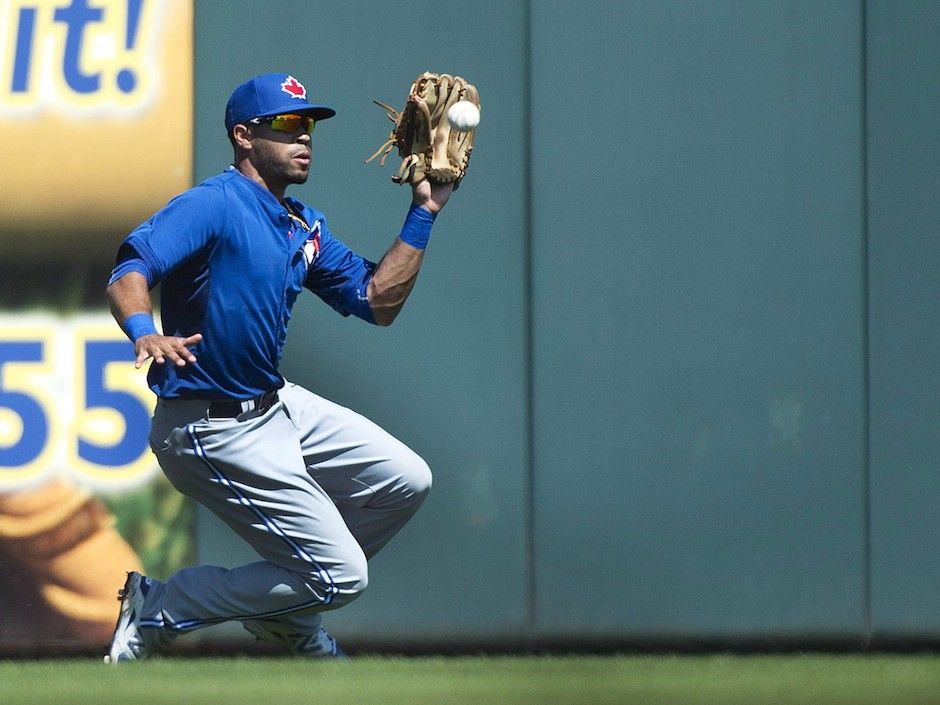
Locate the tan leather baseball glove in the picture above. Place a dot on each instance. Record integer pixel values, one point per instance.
(429, 147)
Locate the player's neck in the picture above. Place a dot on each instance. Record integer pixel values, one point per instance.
(249, 171)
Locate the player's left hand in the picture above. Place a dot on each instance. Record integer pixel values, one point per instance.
(431, 194)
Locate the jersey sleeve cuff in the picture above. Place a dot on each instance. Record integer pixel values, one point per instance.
(131, 265)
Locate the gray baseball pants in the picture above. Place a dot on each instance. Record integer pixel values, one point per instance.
(314, 488)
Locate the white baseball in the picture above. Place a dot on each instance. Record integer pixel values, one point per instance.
(463, 115)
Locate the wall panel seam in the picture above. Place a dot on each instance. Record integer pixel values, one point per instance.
(529, 334)
(866, 334)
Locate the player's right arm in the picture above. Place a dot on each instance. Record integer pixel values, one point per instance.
(129, 300)
(174, 234)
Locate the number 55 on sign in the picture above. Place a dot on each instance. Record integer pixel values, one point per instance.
(72, 403)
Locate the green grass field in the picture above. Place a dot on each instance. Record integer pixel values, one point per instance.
(649, 680)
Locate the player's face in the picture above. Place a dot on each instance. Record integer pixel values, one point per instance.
(281, 157)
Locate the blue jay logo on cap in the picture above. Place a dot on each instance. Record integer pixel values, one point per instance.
(294, 88)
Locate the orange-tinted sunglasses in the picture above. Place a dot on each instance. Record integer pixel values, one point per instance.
(288, 122)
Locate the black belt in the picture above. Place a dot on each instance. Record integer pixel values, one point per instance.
(231, 409)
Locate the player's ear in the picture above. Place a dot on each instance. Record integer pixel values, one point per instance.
(241, 136)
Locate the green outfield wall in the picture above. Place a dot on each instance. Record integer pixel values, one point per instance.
(673, 355)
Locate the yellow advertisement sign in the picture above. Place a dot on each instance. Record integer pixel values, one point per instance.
(82, 500)
(72, 404)
(95, 118)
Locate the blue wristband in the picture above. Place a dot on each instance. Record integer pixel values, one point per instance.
(417, 228)
(139, 325)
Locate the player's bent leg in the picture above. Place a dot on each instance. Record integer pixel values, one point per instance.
(399, 488)
(251, 474)
(150, 611)
(375, 480)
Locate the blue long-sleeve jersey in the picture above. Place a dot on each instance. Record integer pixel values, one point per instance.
(232, 260)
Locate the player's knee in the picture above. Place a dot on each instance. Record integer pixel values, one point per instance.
(358, 572)
(413, 485)
(351, 576)
(419, 479)
(411, 481)
(360, 585)
(346, 577)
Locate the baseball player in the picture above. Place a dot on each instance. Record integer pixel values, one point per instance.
(313, 487)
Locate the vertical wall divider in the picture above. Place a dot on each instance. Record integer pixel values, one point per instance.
(529, 337)
(866, 332)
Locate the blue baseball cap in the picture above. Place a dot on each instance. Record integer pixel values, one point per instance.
(271, 94)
